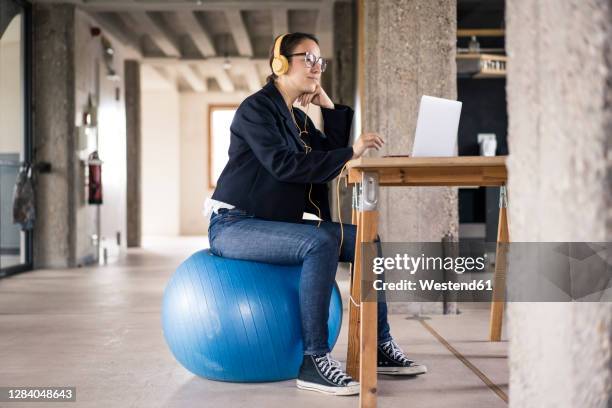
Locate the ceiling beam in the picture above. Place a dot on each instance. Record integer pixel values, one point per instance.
(160, 75)
(239, 32)
(112, 27)
(262, 69)
(165, 75)
(190, 75)
(146, 23)
(251, 75)
(249, 69)
(219, 5)
(207, 62)
(280, 21)
(223, 79)
(200, 36)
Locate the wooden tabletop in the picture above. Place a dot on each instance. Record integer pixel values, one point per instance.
(432, 171)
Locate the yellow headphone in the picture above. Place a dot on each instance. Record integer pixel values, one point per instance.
(280, 64)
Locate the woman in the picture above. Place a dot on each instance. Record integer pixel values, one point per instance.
(277, 169)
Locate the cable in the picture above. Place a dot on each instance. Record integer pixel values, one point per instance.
(308, 149)
(338, 201)
(342, 228)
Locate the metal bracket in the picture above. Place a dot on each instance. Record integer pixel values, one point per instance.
(503, 197)
(368, 194)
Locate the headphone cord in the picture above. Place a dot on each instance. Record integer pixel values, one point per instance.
(352, 264)
(308, 150)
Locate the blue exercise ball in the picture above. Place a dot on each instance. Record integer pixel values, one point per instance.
(234, 320)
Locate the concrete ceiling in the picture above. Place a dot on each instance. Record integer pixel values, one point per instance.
(191, 40)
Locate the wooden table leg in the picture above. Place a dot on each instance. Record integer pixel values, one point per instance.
(369, 320)
(499, 279)
(363, 321)
(352, 357)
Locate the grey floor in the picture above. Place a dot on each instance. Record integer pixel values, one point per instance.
(98, 329)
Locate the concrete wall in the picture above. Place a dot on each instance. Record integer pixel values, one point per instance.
(108, 95)
(344, 87)
(194, 156)
(160, 161)
(175, 154)
(560, 188)
(53, 126)
(410, 50)
(68, 71)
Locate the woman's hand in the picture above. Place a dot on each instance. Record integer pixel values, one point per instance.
(367, 141)
(318, 97)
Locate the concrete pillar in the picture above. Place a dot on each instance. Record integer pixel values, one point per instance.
(54, 134)
(343, 74)
(410, 48)
(133, 134)
(560, 131)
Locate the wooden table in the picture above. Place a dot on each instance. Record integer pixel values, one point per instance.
(367, 174)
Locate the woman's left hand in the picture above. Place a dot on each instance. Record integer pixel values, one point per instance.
(318, 97)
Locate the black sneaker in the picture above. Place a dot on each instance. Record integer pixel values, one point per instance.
(393, 361)
(323, 374)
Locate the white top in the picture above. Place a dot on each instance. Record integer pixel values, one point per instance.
(211, 205)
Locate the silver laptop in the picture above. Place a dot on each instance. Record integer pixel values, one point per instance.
(437, 126)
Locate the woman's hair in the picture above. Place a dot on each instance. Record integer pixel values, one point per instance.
(288, 45)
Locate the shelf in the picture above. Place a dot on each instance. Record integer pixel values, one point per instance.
(482, 65)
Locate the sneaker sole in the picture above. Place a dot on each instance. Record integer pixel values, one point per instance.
(416, 370)
(348, 390)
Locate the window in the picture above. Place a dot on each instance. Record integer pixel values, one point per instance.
(219, 120)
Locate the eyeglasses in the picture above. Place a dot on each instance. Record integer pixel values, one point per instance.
(311, 60)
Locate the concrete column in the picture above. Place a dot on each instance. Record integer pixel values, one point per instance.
(133, 134)
(560, 166)
(410, 48)
(343, 74)
(54, 134)
(344, 70)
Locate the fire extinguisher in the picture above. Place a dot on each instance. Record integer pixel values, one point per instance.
(94, 187)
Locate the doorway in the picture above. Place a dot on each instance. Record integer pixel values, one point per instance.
(15, 143)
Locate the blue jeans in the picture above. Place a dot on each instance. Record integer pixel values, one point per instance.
(236, 234)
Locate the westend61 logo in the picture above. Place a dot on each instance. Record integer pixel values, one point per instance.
(412, 264)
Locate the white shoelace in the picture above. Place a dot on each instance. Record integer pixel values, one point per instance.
(334, 362)
(395, 351)
(331, 369)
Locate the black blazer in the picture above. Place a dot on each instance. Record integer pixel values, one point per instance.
(268, 172)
